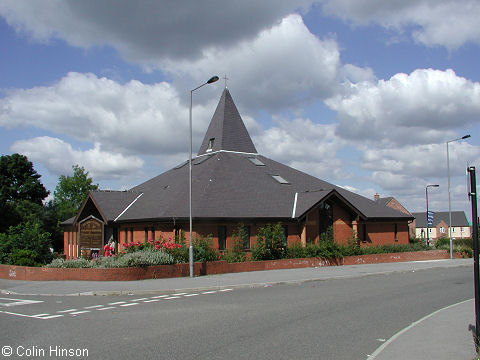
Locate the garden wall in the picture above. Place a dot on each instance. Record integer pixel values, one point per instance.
(207, 268)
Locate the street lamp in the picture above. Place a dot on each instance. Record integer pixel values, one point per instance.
(426, 196)
(190, 254)
(449, 203)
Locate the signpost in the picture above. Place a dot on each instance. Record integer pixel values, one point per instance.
(473, 200)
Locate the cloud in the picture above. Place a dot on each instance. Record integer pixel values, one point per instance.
(423, 107)
(146, 31)
(133, 118)
(312, 149)
(58, 157)
(283, 66)
(428, 22)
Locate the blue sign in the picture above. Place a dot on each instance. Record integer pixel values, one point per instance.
(430, 218)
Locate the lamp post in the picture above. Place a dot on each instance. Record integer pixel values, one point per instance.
(426, 196)
(449, 203)
(190, 253)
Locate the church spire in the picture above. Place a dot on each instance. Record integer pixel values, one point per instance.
(227, 130)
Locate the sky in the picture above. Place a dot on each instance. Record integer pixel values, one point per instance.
(364, 94)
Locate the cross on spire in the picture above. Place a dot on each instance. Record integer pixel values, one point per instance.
(225, 78)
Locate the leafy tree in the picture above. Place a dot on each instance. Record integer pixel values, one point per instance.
(26, 236)
(21, 192)
(71, 191)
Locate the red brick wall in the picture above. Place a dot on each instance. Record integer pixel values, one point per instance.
(383, 233)
(214, 267)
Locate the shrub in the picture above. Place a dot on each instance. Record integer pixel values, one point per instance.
(236, 252)
(26, 236)
(23, 257)
(203, 250)
(134, 259)
(269, 244)
(75, 263)
(296, 250)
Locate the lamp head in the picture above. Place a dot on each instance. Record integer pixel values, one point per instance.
(215, 78)
(465, 137)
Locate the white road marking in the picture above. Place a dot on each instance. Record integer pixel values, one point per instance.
(172, 297)
(93, 306)
(209, 292)
(179, 294)
(17, 302)
(159, 297)
(130, 304)
(188, 295)
(149, 301)
(50, 317)
(117, 303)
(141, 299)
(106, 308)
(67, 311)
(79, 312)
(224, 290)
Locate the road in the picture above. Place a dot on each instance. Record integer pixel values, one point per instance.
(332, 319)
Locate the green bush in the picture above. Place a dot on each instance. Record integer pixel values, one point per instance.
(25, 236)
(23, 257)
(203, 250)
(296, 251)
(75, 263)
(269, 244)
(236, 252)
(443, 243)
(133, 259)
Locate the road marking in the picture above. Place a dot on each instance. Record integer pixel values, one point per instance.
(398, 334)
(50, 317)
(67, 311)
(172, 297)
(93, 306)
(179, 294)
(79, 312)
(224, 290)
(209, 292)
(117, 303)
(159, 297)
(149, 301)
(106, 308)
(30, 316)
(17, 302)
(188, 295)
(39, 315)
(130, 304)
(141, 299)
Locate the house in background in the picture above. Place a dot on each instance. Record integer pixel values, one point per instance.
(232, 184)
(440, 226)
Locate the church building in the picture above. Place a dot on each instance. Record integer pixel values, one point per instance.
(232, 184)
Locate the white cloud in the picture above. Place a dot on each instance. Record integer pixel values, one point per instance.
(303, 145)
(132, 118)
(283, 66)
(59, 157)
(449, 23)
(423, 107)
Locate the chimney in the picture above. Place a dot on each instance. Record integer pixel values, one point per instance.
(376, 197)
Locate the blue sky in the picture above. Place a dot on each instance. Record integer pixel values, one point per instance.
(362, 94)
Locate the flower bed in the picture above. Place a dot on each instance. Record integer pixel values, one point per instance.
(204, 268)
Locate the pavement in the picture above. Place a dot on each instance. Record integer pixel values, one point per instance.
(449, 329)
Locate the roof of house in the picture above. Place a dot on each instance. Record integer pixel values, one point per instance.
(231, 181)
(458, 218)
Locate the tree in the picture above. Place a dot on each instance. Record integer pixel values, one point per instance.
(21, 192)
(71, 191)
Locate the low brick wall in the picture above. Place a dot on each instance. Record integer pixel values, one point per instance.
(208, 268)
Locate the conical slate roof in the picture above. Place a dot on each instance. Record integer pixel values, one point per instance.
(227, 130)
(232, 181)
